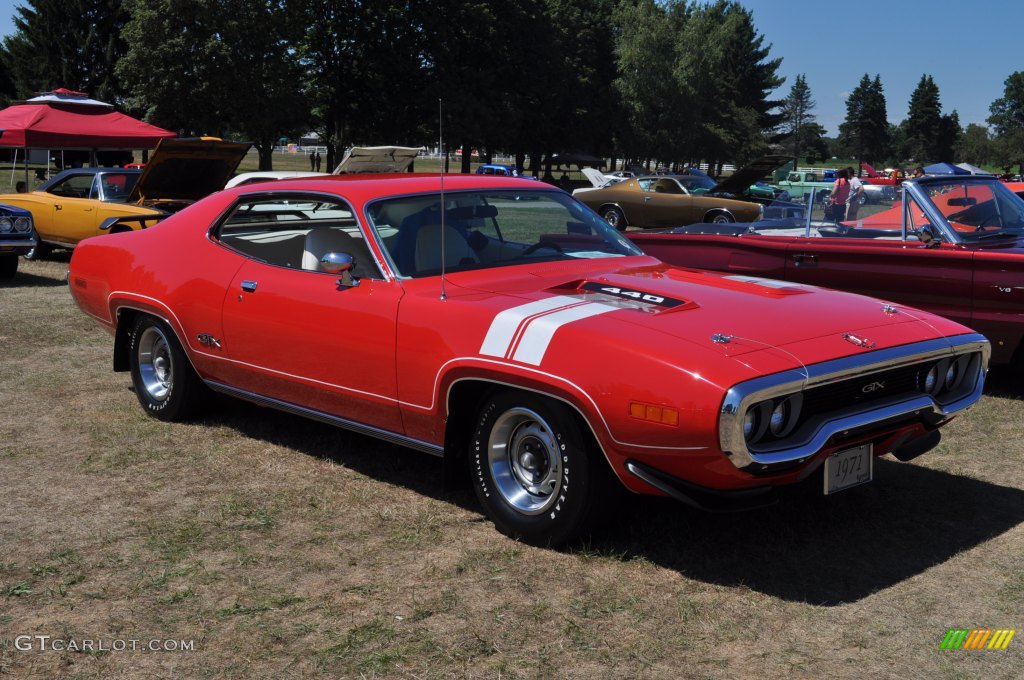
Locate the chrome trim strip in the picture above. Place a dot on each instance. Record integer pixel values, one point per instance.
(294, 409)
(740, 397)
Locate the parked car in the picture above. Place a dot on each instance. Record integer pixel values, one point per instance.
(82, 202)
(801, 182)
(505, 327)
(357, 160)
(663, 201)
(954, 246)
(501, 170)
(17, 236)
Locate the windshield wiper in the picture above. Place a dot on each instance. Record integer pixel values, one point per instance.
(996, 234)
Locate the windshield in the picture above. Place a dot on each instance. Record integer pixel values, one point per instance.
(484, 229)
(696, 184)
(978, 210)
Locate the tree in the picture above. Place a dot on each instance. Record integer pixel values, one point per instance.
(1007, 121)
(215, 67)
(66, 43)
(796, 115)
(813, 142)
(865, 132)
(975, 146)
(924, 122)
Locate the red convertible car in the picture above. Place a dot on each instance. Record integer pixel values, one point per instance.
(504, 326)
(954, 246)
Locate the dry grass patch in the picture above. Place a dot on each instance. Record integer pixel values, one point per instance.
(285, 548)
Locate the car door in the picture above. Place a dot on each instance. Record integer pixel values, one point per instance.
(936, 279)
(301, 335)
(74, 209)
(666, 204)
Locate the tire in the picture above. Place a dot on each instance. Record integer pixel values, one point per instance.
(863, 199)
(520, 458)
(163, 378)
(719, 218)
(614, 217)
(40, 252)
(8, 266)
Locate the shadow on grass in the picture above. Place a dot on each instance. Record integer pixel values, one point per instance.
(1006, 382)
(808, 548)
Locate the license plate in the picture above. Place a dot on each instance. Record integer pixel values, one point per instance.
(851, 467)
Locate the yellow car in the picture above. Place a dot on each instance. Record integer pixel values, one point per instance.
(82, 202)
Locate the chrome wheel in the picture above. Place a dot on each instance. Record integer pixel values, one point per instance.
(525, 461)
(155, 364)
(615, 218)
(720, 218)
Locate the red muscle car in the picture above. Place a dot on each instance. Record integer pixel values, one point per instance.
(969, 268)
(504, 326)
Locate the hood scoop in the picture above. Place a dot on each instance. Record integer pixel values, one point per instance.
(623, 297)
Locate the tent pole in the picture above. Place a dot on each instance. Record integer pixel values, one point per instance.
(14, 168)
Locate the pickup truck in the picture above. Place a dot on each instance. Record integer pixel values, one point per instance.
(801, 182)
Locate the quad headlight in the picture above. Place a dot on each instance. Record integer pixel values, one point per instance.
(6, 225)
(23, 224)
(772, 418)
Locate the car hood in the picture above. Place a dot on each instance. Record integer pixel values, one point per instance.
(741, 180)
(366, 159)
(732, 315)
(188, 169)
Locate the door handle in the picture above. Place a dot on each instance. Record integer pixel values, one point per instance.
(58, 207)
(805, 260)
(249, 286)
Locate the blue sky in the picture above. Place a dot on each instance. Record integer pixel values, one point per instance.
(968, 47)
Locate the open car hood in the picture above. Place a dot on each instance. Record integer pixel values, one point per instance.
(362, 159)
(738, 182)
(188, 169)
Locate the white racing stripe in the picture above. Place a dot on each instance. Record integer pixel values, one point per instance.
(523, 333)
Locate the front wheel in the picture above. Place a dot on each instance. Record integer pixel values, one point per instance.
(719, 218)
(164, 380)
(38, 252)
(531, 470)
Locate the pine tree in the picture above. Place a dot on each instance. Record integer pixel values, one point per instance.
(796, 112)
(1007, 121)
(924, 122)
(865, 132)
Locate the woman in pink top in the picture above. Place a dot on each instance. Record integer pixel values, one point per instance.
(840, 192)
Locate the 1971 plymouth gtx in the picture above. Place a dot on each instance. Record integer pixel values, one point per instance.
(954, 246)
(502, 325)
(83, 202)
(17, 236)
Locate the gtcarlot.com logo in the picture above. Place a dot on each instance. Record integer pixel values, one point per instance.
(977, 638)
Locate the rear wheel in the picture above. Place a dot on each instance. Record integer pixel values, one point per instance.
(719, 218)
(524, 453)
(164, 380)
(614, 217)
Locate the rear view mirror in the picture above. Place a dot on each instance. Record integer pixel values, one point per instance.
(962, 201)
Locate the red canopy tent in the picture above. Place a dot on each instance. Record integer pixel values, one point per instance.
(70, 120)
(64, 120)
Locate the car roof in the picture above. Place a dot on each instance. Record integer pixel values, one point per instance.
(63, 174)
(387, 185)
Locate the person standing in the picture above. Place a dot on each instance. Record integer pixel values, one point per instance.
(856, 192)
(837, 199)
(317, 162)
(312, 161)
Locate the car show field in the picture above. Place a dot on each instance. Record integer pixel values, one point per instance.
(283, 547)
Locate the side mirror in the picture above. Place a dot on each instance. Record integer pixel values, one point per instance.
(340, 263)
(928, 235)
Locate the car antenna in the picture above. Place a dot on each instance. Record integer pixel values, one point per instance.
(440, 147)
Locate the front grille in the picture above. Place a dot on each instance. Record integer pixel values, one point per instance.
(874, 387)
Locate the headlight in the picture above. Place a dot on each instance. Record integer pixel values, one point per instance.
(23, 224)
(749, 421)
(779, 416)
(5, 225)
(951, 375)
(931, 379)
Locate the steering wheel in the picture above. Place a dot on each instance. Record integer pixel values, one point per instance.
(985, 223)
(543, 244)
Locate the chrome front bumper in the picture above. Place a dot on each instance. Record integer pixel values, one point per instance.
(742, 396)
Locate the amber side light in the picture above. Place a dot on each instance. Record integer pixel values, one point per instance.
(654, 414)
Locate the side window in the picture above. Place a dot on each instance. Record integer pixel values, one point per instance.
(916, 219)
(646, 184)
(811, 177)
(75, 186)
(794, 177)
(296, 232)
(667, 186)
